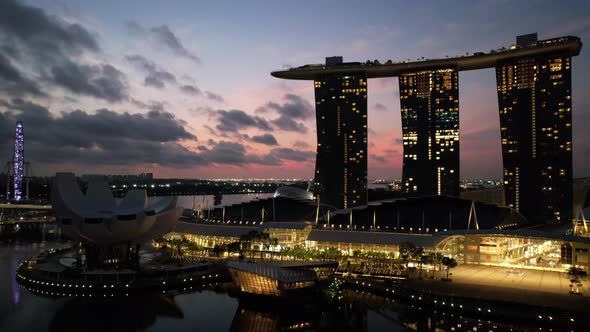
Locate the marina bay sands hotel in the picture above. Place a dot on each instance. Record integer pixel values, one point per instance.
(535, 104)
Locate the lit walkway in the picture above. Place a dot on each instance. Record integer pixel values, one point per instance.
(547, 288)
(495, 276)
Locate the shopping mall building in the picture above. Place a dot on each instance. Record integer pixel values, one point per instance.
(518, 248)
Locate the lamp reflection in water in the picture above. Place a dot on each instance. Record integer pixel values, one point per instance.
(255, 313)
(115, 314)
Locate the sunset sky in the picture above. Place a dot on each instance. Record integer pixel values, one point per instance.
(183, 88)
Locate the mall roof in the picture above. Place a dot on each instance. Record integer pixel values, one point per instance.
(518, 233)
(378, 238)
(212, 230)
(284, 225)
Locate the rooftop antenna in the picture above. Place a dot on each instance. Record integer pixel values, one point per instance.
(423, 220)
(317, 212)
(450, 220)
(472, 215)
(374, 218)
(581, 214)
(273, 209)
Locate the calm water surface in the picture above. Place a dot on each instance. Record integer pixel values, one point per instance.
(199, 311)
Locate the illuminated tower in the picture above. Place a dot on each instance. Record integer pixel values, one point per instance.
(341, 114)
(534, 97)
(430, 126)
(18, 161)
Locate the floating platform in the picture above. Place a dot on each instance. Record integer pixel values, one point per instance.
(280, 278)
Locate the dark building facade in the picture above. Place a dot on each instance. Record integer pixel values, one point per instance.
(430, 127)
(534, 97)
(534, 93)
(341, 162)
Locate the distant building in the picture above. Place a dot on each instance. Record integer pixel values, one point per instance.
(430, 125)
(535, 101)
(341, 162)
(18, 161)
(534, 93)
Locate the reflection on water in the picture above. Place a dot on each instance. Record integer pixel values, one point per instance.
(221, 310)
(312, 314)
(123, 314)
(14, 286)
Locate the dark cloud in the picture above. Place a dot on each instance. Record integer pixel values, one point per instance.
(190, 90)
(233, 153)
(288, 124)
(12, 81)
(158, 106)
(100, 81)
(378, 158)
(166, 36)
(210, 130)
(301, 145)
(391, 151)
(32, 25)
(214, 97)
(104, 137)
(294, 110)
(380, 107)
(51, 51)
(266, 160)
(295, 107)
(156, 76)
(266, 139)
(225, 152)
(162, 35)
(235, 120)
(291, 154)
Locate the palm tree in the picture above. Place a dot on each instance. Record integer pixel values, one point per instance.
(576, 275)
(450, 263)
(436, 261)
(406, 250)
(417, 255)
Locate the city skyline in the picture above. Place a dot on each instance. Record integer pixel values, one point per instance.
(197, 109)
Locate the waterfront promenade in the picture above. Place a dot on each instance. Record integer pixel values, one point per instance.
(536, 287)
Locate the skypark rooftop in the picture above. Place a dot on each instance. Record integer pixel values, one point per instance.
(479, 60)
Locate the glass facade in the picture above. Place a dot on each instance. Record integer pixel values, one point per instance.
(254, 283)
(289, 237)
(534, 97)
(341, 162)
(266, 281)
(518, 251)
(430, 127)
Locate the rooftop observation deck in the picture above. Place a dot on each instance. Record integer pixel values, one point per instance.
(479, 60)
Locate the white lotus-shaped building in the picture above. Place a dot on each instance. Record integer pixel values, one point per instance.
(97, 218)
